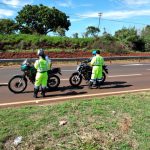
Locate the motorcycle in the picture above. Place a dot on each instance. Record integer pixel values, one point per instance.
(84, 71)
(18, 83)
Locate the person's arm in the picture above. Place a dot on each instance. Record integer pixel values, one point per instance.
(36, 64)
(93, 61)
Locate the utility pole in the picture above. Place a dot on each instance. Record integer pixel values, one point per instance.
(99, 14)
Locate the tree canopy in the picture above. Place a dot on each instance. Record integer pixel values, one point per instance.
(126, 35)
(41, 19)
(130, 38)
(145, 34)
(7, 26)
(92, 31)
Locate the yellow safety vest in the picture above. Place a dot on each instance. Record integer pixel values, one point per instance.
(97, 61)
(41, 65)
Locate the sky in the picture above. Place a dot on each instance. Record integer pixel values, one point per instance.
(115, 14)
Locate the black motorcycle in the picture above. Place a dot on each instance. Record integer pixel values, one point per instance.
(84, 71)
(18, 83)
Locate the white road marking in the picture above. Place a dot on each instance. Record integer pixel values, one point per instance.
(124, 75)
(68, 70)
(147, 69)
(113, 76)
(135, 65)
(64, 79)
(3, 83)
(73, 97)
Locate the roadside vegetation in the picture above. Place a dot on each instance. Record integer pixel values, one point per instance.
(116, 122)
(33, 25)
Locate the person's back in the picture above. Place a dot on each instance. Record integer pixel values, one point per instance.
(97, 72)
(42, 66)
(97, 60)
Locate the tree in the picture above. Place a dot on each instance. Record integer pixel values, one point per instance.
(126, 35)
(7, 26)
(145, 35)
(60, 31)
(75, 35)
(146, 31)
(40, 19)
(92, 31)
(130, 39)
(84, 35)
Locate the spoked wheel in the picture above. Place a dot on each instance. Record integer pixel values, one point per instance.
(53, 82)
(75, 79)
(17, 84)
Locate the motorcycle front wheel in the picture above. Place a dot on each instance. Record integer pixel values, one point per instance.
(75, 79)
(53, 82)
(17, 84)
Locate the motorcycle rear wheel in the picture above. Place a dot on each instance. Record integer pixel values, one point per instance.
(17, 84)
(53, 82)
(75, 79)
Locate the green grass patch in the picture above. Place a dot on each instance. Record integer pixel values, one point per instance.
(111, 123)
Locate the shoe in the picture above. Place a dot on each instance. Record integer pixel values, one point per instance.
(90, 84)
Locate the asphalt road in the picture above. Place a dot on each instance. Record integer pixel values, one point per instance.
(122, 78)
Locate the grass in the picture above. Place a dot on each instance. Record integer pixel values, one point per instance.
(111, 123)
(47, 49)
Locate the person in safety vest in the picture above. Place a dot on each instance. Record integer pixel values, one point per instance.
(97, 71)
(42, 66)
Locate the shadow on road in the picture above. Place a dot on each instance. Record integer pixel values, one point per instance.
(115, 84)
(70, 93)
(70, 90)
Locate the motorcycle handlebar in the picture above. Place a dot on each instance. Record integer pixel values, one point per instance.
(86, 61)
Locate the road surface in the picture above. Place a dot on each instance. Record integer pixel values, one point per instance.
(122, 78)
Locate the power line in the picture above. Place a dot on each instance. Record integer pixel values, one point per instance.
(123, 21)
(113, 20)
(19, 6)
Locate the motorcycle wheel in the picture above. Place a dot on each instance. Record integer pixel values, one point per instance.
(53, 82)
(17, 84)
(75, 79)
(104, 78)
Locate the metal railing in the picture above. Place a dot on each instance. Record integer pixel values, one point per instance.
(78, 59)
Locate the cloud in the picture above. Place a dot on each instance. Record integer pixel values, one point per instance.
(117, 14)
(6, 13)
(137, 2)
(66, 3)
(126, 14)
(134, 2)
(15, 3)
(76, 19)
(11, 2)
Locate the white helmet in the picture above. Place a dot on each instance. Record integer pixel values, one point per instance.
(40, 52)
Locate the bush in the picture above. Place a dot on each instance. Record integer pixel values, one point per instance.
(26, 42)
